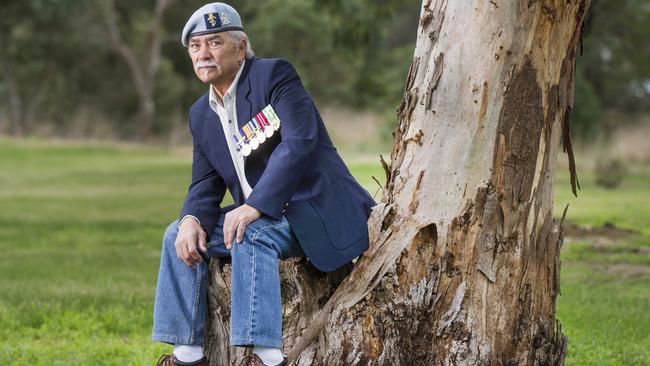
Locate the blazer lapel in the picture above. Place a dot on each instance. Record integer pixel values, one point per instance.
(244, 106)
(217, 146)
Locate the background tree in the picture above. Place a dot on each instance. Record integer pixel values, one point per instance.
(15, 100)
(612, 77)
(19, 60)
(86, 58)
(143, 66)
(464, 260)
(72, 82)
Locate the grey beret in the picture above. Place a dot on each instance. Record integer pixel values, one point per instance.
(211, 18)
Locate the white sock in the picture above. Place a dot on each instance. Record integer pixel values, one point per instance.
(270, 356)
(186, 353)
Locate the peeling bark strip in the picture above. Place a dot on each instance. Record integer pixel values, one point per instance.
(453, 310)
(567, 80)
(484, 100)
(432, 19)
(567, 146)
(433, 85)
(488, 239)
(414, 199)
(450, 280)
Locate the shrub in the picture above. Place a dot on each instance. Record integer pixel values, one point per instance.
(610, 173)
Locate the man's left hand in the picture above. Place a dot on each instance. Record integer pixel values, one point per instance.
(236, 221)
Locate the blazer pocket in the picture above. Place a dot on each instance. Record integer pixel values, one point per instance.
(342, 213)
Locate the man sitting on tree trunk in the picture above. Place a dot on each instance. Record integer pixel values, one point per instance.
(257, 133)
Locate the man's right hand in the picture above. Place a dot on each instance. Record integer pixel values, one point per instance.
(190, 239)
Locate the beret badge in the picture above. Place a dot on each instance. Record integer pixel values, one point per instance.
(212, 21)
(225, 19)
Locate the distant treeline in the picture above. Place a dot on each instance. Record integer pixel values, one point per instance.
(115, 68)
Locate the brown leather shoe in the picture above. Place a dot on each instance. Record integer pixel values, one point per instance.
(254, 360)
(170, 360)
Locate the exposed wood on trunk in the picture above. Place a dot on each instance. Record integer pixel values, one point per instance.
(464, 265)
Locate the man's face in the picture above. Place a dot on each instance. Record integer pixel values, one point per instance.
(215, 57)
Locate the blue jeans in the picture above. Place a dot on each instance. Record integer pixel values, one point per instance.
(256, 305)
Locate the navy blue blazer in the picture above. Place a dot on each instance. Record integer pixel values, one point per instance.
(296, 173)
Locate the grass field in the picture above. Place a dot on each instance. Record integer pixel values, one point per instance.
(80, 230)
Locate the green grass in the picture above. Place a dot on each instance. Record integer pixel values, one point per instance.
(605, 316)
(604, 304)
(80, 232)
(627, 206)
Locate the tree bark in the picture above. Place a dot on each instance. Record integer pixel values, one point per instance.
(463, 266)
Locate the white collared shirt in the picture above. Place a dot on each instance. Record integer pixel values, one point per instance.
(226, 109)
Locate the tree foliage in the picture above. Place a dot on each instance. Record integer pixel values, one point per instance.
(58, 69)
(613, 72)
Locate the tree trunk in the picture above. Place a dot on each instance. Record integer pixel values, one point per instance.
(16, 115)
(146, 110)
(463, 266)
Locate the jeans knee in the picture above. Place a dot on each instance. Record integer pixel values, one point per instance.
(262, 233)
(250, 239)
(251, 235)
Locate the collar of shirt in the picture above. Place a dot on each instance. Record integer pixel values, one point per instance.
(215, 99)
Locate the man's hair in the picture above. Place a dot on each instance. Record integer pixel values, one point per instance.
(238, 36)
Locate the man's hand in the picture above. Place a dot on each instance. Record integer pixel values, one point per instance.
(236, 221)
(190, 236)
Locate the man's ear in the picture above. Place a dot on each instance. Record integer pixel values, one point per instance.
(242, 47)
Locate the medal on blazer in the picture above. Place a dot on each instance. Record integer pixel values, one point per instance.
(256, 131)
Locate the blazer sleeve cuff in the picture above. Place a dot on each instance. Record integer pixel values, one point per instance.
(273, 212)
